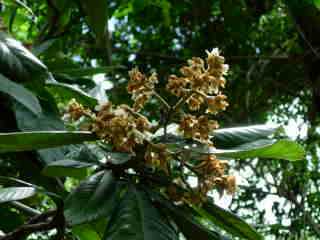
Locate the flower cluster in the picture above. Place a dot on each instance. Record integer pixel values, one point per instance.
(200, 80)
(120, 126)
(212, 172)
(141, 87)
(125, 128)
(197, 128)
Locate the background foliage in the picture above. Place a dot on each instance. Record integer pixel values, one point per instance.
(271, 45)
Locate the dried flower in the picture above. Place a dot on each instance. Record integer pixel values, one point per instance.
(197, 128)
(76, 110)
(231, 184)
(217, 103)
(141, 87)
(203, 78)
(176, 85)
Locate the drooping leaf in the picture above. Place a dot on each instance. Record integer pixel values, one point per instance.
(230, 137)
(18, 63)
(25, 141)
(66, 92)
(281, 149)
(21, 94)
(188, 224)
(95, 197)
(137, 219)
(67, 168)
(16, 193)
(228, 221)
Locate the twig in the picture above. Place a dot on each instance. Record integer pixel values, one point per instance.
(28, 210)
(40, 223)
(161, 99)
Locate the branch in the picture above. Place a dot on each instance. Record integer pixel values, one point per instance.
(28, 210)
(41, 222)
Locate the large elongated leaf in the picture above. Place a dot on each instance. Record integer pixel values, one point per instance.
(228, 221)
(230, 137)
(137, 219)
(67, 168)
(17, 62)
(21, 94)
(187, 222)
(281, 149)
(95, 197)
(16, 193)
(67, 92)
(24, 141)
(263, 148)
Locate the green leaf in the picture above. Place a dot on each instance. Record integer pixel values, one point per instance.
(17, 62)
(317, 3)
(67, 168)
(49, 120)
(83, 72)
(136, 219)
(186, 221)
(91, 231)
(67, 92)
(85, 232)
(95, 197)
(228, 221)
(97, 16)
(16, 193)
(263, 148)
(21, 94)
(277, 149)
(230, 137)
(25, 141)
